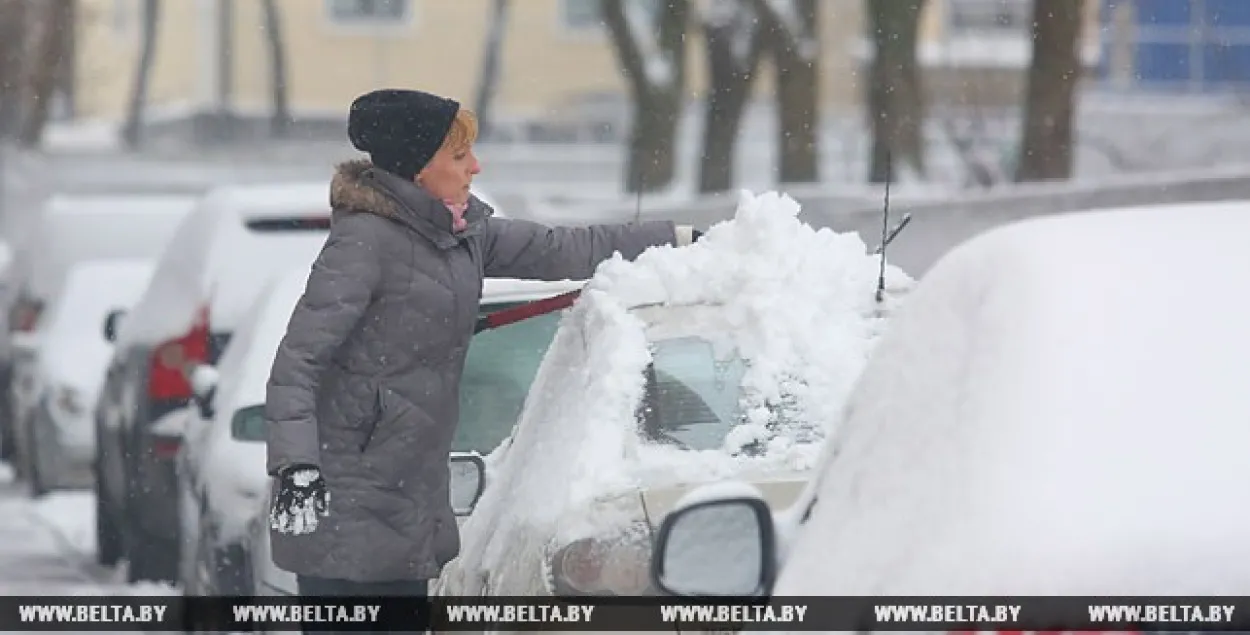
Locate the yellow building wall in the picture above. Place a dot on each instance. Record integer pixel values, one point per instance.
(544, 64)
(107, 56)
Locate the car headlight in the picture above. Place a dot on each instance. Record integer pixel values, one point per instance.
(69, 401)
(618, 564)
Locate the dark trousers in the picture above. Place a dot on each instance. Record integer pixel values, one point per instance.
(327, 587)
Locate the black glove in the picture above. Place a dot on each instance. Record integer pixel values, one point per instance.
(694, 235)
(301, 500)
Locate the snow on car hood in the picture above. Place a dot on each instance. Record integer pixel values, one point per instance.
(794, 300)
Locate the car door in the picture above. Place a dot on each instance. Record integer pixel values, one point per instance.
(194, 452)
(190, 491)
(128, 404)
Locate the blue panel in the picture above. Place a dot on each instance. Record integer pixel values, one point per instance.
(1226, 64)
(1162, 62)
(1227, 12)
(1163, 12)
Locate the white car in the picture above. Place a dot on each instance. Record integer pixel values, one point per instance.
(215, 264)
(67, 230)
(1060, 408)
(727, 357)
(225, 483)
(76, 344)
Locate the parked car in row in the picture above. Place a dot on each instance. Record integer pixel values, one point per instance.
(204, 281)
(67, 230)
(500, 366)
(684, 366)
(1059, 409)
(57, 442)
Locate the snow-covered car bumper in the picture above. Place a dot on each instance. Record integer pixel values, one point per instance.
(65, 446)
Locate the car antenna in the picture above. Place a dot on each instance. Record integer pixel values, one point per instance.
(885, 225)
(888, 234)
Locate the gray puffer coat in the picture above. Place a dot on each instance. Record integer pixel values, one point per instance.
(365, 383)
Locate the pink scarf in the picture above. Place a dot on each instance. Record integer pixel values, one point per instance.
(458, 223)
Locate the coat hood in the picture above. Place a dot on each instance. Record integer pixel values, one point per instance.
(359, 186)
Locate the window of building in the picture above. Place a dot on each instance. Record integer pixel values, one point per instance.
(976, 17)
(369, 12)
(584, 15)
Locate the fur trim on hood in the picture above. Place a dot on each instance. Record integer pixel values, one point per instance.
(349, 192)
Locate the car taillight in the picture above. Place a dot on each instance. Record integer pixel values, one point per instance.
(592, 566)
(167, 378)
(27, 317)
(165, 447)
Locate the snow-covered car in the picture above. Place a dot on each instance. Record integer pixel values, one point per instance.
(500, 365)
(727, 357)
(214, 266)
(58, 440)
(67, 230)
(1059, 408)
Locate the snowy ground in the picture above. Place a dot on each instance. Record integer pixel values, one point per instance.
(47, 546)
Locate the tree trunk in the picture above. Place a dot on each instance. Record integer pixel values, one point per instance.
(653, 142)
(1049, 108)
(796, 51)
(654, 61)
(132, 129)
(895, 96)
(280, 115)
(66, 80)
(54, 28)
(12, 46)
(730, 74)
(488, 81)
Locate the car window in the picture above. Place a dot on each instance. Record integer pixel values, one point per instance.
(694, 399)
(500, 366)
(249, 424)
(691, 398)
(217, 343)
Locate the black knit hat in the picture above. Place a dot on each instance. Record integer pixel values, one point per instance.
(400, 129)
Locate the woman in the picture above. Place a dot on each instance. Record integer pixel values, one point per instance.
(363, 395)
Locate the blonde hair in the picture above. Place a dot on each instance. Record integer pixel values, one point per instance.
(463, 132)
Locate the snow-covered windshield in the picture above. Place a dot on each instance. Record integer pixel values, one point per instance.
(500, 366)
(690, 397)
(693, 398)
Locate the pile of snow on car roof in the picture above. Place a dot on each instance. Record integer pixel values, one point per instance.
(797, 304)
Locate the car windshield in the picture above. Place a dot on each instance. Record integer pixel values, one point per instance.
(501, 365)
(694, 398)
(498, 371)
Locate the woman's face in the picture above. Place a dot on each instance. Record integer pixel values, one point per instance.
(449, 174)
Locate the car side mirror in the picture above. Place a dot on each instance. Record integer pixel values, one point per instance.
(112, 324)
(467, 481)
(204, 380)
(719, 547)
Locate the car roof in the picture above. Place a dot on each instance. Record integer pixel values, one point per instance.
(214, 253)
(269, 200)
(69, 229)
(1059, 407)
